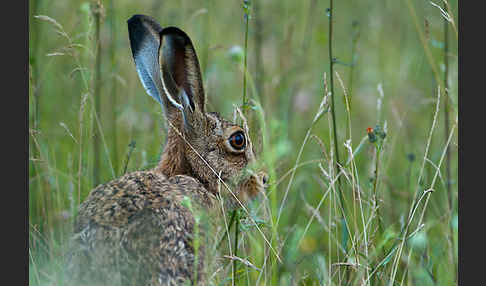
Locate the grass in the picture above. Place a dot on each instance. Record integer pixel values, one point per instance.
(392, 219)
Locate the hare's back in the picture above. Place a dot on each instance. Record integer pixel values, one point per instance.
(138, 225)
(112, 204)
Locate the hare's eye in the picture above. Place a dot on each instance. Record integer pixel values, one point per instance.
(237, 140)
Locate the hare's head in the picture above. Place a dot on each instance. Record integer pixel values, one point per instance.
(199, 144)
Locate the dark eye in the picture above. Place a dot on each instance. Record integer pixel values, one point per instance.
(237, 140)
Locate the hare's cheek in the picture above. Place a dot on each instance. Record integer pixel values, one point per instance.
(213, 158)
(213, 154)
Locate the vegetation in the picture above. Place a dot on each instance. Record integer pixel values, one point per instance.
(353, 112)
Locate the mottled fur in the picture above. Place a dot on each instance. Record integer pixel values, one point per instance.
(139, 229)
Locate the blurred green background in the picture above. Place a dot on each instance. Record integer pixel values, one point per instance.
(391, 59)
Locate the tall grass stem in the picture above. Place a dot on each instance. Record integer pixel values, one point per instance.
(97, 14)
(113, 95)
(246, 8)
(333, 107)
(259, 70)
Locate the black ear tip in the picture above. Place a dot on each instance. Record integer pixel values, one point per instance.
(133, 19)
(174, 31)
(142, 28)
(138, 21)
(140, 17)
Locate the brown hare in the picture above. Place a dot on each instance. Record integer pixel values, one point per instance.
(138, 229)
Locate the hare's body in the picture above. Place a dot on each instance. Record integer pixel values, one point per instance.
(136, 231)
(140, 229)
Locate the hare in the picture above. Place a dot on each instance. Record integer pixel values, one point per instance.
(138, 229)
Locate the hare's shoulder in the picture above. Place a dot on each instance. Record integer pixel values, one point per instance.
(112, 204)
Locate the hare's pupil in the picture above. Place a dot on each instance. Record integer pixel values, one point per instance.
(237, 140)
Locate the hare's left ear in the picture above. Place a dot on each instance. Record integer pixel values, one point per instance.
(144, 35)
(181, 75)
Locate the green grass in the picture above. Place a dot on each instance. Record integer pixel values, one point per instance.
(397, 224)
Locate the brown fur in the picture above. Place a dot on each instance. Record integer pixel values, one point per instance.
(135, 228)
(139, 229)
